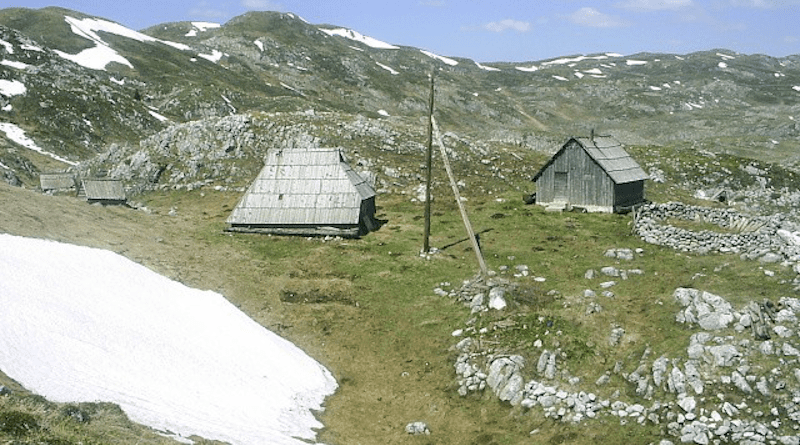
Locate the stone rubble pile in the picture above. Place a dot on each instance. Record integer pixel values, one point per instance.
(738, 382)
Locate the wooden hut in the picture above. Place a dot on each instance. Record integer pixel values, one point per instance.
(57, 182)
(103, 191)
(594, 173)
(311, 191)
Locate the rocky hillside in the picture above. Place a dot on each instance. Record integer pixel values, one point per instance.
(74, 86)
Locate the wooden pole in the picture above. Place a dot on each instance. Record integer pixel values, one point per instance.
(426, 247)
(475, 246)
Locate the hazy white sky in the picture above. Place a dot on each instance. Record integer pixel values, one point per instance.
(506, 30)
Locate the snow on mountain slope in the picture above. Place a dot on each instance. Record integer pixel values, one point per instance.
(17, 134)
(83, 324)
(358, 37)
(102, 54)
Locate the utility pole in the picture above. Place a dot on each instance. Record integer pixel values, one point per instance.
(471, 233)
(428, 167)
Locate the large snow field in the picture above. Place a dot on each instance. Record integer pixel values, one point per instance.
(82, 324)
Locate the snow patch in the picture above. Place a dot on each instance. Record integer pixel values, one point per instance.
(259, 44)
(631, 62)
(568, 60)
(214, 57)
(387, 68)
(27, 47)
(198, 27)
(561, 78)
(383, 112)
(205, 26)
(446, 60)
(117, 81)
(160, 117)
(527, 69)
(593, 71)
(655, 88)
(289, 14)
(726, 56)
(486, 68)
(96, 58)
(173, 358)
(102, 54)
(230, 104)
(796, 87)
(17, 135)
(10, 88)
(15, 64)
(722, 65)
(358, 37)
(9, 47)
(292, 89)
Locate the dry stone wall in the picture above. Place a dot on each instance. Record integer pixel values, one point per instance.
(770, 239)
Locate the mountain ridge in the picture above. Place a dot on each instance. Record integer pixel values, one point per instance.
(140, 83)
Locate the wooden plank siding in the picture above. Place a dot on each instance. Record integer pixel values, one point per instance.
(583, 181)
(596, 175)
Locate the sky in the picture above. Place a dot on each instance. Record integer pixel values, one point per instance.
(506, 30)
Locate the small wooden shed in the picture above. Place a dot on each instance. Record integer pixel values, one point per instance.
(594, 173)
(103, 191)
(306, 191)
(57, 182)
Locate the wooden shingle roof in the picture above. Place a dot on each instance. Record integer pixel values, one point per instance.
(609, 155)
(57, 181)
(311, 186)
(103, 190)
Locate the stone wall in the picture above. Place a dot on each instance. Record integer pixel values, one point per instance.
(772, 238)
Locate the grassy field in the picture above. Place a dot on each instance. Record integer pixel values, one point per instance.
(366, 309)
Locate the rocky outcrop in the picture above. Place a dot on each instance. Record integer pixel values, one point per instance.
(711, 394)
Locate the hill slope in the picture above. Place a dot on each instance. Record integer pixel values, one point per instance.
(77, 84)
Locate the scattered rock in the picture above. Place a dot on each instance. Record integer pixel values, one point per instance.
(417, 428)
(496, 298)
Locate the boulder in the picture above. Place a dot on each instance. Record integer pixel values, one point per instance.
(497, 299)
(724, 355)
(417, 428)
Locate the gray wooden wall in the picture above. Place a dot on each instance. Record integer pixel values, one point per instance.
(586, 183)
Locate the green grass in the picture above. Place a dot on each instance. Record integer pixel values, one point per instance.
(366, 309)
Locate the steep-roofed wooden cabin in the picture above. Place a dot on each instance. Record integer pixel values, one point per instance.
(103, 191)
(594, 173)
(308, 191)
(57, 182)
